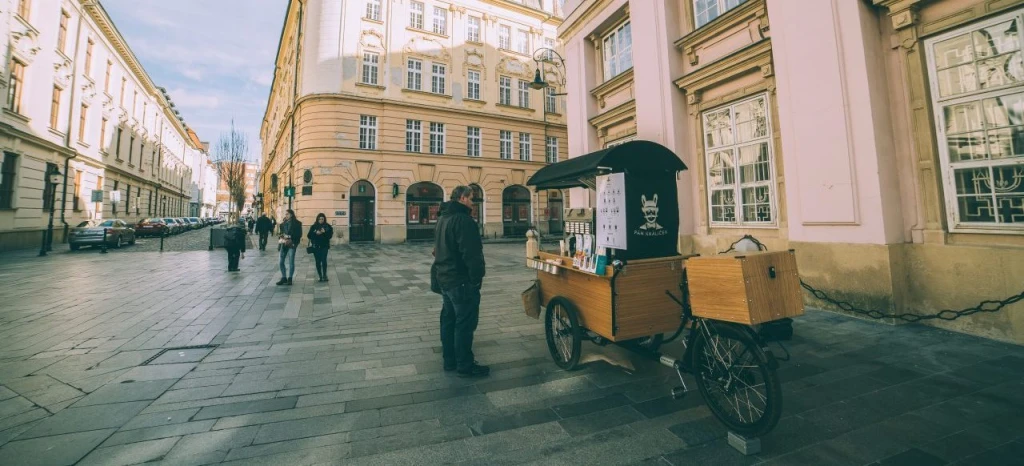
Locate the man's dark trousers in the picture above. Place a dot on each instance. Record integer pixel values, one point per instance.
(263, 240)
(459, 317)
(233, 254)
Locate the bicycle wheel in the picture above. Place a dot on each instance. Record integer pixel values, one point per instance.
(564, 333)
(737, 384)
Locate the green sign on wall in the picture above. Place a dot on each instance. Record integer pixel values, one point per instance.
(289, 191)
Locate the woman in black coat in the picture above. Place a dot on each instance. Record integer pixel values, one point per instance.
(319, 235)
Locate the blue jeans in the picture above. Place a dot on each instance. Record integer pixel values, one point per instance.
(459, 317)
(287, 254)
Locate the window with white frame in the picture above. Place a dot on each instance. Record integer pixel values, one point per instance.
(617, 49)
(473, 29)
(704, 11)
(473, 84)
(414, 72)
(550, 102)
(472, 141)
(505, 144)
(524, 93)
(551, 149)
(740, 172)
(437, 73)
(436, 138)
(440, 21)
(367, 132)
(416, 15)
(522, 41)
(413, 135)
(524, 146)
(978, 104)
(549, 43)
(373, 10)
(504, 37)
(371, 67)
(504, 90)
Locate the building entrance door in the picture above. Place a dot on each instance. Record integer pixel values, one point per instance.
(515, 211)
(555, 205)
(361, 212)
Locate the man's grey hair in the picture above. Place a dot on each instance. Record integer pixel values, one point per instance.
(461, 191)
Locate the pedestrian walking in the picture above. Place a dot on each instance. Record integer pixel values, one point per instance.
(263, 228)
(458, 270)
(252, 224)
(234, 244)
(319, 235)
(291, 234)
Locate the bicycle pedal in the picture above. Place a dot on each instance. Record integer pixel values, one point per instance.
(678, 393)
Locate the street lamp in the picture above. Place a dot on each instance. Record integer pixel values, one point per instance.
(54, 178)
(546, 55)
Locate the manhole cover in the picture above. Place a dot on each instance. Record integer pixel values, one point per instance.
(179, 355)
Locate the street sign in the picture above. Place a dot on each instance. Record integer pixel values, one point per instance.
(289, 191)
(97, 195)
(115, 196)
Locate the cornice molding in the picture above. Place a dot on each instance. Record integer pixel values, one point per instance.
(622, 112)
(757, 56)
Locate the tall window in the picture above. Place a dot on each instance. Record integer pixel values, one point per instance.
(978, 105)
(524, 93)
(737, 142)
(54, 107)
(7, 172)
(24, 9)
(106, 78)
(504, 37)
(135, 102)
(550, 104)
(117, 143)
(551, 149)
(549, 43)
(131, 148)
(124, 84)
(416, 15)
(522, 41)
(414, 70)
(76, 195)
(49, 189)
(437, 73)
(62, 32)
(706, 10)
(473, 29)
(440, 20)
(371, 65)
(413, 135)
(618, 51)
(88, 57)
(436, 138)
(367, 132)
(473, 85)
(505, 90)
(103, 135)
(505, 144)
(373, 9)
(81, 122)
(524, 146)
(15, 86)
(472, 141)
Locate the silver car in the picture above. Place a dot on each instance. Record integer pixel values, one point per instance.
(101, 232)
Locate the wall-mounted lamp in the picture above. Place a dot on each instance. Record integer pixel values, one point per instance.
(394, 190)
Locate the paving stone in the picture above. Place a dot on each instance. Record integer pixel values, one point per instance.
(151, 433)
(377, 403)
(600, 420)
(245, 407)
(53, 450)
(912, 457)
(160, 419)
(86, 418)
(317, 426)
(270, 449)
(279, 416)
(134, 453)
(215, 441)
(122, 392)
(181, 356)
(513, 421)
(165, 371)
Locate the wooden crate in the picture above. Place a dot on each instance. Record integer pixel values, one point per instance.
(740, 288)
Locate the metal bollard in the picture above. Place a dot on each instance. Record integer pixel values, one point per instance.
(162, 235)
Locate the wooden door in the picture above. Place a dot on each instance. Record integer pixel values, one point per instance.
(361, 220)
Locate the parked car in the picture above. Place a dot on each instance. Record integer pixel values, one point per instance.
(101, 232)
(152, 227)
(196, 223)
(175, 226)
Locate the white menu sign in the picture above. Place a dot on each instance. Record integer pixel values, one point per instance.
(611, 211)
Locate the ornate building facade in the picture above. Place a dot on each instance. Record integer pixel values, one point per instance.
(880, 139)
(78, 101)
(379, 108)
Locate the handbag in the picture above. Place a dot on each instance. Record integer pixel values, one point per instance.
(434, 285)
(309, 249)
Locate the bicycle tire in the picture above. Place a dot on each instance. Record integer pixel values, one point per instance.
(716, 375)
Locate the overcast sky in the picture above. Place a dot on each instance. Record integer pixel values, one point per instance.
(214, 57)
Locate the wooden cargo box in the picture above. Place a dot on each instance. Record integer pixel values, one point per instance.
(749, 288)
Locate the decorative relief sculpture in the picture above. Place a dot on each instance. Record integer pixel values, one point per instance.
(62, 73)
(427, 47)
(511, 66)
(24, 42)
(474, 58)
(88, 92)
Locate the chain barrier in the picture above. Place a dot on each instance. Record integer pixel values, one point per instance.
(947, 314)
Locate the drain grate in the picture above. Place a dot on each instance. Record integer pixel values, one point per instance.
(176, 348)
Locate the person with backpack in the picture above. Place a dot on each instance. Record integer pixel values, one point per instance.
(234, 244)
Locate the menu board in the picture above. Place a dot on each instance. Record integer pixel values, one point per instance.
(433, 213)
(611, 211)
(414, 214)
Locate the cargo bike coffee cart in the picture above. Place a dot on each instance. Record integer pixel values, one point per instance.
(618, 278)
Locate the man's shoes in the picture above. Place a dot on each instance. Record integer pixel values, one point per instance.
(475, 370)
(289, 282)
(283, 281)
(449, 367)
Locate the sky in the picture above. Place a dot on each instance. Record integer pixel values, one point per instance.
(214, 57)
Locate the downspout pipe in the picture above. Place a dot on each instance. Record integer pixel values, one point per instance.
(67, 137)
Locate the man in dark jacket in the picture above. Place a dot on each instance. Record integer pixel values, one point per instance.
(291, 234)
(263, 228)
(459, 271)
(234, 243)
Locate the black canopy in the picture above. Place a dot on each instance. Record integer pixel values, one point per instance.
(635, 157)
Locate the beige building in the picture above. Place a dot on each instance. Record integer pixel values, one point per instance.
(78, 101)
(384, 106)
(224, 204)
(880, 139)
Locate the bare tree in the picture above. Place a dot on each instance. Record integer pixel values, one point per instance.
(231, 155)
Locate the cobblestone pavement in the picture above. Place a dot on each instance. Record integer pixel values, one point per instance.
(165, 357)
